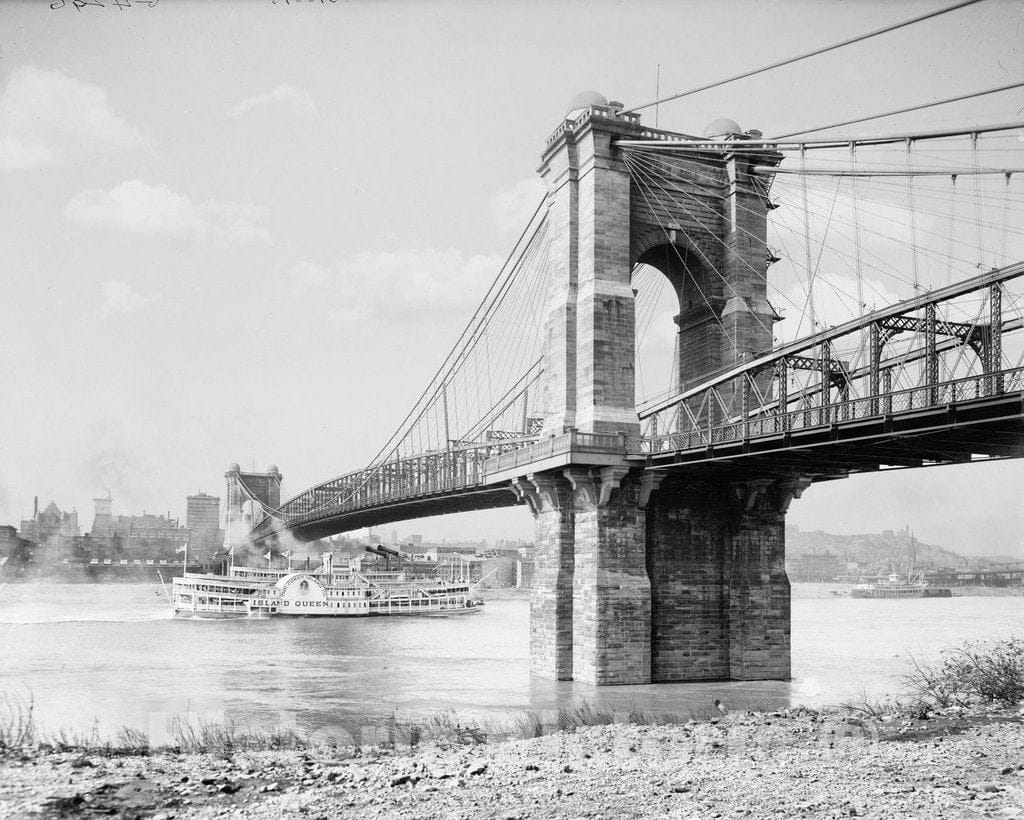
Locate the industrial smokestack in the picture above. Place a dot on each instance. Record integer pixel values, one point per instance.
(378, 550)
(35, 508)
(388, 554)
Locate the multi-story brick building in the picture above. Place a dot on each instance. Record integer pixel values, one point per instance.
(202, 520)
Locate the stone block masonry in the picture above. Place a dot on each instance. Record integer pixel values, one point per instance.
(590, 348)
(759, 597)
(611, 605)
(720, 600)
(549, 497)
(686, 563)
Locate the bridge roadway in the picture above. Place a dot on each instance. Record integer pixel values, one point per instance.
(458, 480)
(947, 423)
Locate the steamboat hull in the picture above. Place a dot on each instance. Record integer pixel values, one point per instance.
(887, 593)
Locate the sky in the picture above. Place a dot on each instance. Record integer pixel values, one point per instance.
(249, 231)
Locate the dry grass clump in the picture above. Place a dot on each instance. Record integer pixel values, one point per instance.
(17, 723)
(872, 707)
(448, 728)
(227, 736)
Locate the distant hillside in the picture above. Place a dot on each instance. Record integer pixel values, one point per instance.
(888, 546)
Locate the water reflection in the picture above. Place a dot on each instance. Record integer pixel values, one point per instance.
(113, 653)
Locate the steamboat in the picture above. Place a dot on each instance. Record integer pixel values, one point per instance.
(325, 591)
(913, 586)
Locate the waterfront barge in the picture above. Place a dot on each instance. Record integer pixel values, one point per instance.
(325, 591)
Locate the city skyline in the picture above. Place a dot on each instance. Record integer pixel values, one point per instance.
(411, 531)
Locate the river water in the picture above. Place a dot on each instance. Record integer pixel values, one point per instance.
(112, 655)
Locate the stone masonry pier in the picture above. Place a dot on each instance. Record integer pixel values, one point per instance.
(644, 578)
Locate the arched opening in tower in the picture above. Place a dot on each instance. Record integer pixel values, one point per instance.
(679, 332)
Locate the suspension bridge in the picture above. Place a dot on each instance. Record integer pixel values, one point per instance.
(828, 307)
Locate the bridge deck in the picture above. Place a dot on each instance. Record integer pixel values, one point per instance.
(905, 429)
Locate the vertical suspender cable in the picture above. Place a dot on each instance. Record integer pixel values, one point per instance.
(807, 241)
(491, 397)
(856, 231)
(977, 196)
(952, 229)
(1006, 210)
(913, 217)
(657, 95)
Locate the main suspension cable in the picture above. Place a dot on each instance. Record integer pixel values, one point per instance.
(897, 111)
(789, 61)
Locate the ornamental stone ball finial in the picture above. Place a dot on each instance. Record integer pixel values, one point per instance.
(585, 99)
(723, 127)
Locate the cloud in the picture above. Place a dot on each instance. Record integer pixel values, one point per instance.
(416, 285)
(413, 285)
(120, 297)
(295, 98)
(512, 207)
(153, 210)
(47, 115)
(404, 286)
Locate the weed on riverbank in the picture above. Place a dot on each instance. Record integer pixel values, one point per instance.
(17, 722)
(224, 737)
(971, 677)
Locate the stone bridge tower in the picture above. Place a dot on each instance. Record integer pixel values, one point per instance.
(244, 494)
(703, 227)
(644, 575)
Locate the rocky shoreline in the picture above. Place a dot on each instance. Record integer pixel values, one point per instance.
(781, 764)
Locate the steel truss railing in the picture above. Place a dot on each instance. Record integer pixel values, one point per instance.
(755, 398)
(406, 479)
(912, 400)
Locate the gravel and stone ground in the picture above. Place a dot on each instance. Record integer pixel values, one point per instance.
(785, 764)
